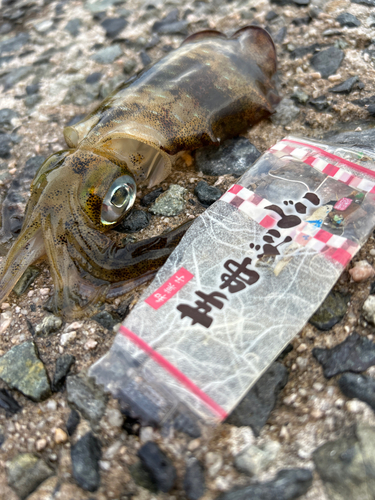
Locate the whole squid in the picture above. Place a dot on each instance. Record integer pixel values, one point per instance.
(209, 89)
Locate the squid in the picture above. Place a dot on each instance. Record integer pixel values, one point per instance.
(209, 89)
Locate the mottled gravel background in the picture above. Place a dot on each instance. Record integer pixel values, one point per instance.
(57, 61)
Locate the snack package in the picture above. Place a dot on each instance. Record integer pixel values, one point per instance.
(241, 284)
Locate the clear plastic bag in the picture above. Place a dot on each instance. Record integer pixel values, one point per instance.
(242, 283)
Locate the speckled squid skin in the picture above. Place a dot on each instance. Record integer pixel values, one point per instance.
(209, 89)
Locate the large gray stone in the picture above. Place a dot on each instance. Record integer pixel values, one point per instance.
(26, 472)
(88, 398)
(22, 369)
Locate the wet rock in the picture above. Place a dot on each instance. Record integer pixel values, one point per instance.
(286, 112)
(106, 319)
(108, 55)
(22, 369)
(7, 118)
(136, 220)
(8, 403)
(345, 87)
(332, 310)
(49, 324)
(253, 460)
(72, 422)
(6, 145)
(194, 484)
(63, 365)
(348, 20)
(358, 386)
(142, 477)
(73, 27)
(320, 103)
(5, 28)
(287, 485)
(85, 396)
(233, 156)
(26, 280)
(327, 61)
(207, 194)
(86, 453)
(365, 2)
(113, 26)
(17, 75)
(151, 197)
(158, 465)
(355, 354)
(371, 109)
(256, 406)
(13, 44)
(94, 78)
(170, 25)
(171, 202)
(346, 465)
(32, 100)
(26, 472)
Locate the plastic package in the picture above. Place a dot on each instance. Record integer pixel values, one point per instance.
(241, 284)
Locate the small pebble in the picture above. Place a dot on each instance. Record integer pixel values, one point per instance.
(361, 271)
(60, 436)
(40, 444)
(90, 345)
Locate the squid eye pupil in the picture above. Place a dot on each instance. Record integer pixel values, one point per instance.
(119, 196)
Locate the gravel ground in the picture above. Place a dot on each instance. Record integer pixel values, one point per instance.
(57, 61)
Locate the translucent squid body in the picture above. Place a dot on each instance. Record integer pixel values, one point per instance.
(210, 88)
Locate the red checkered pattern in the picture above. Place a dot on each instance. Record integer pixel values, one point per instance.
(305, 234)
(319, 159)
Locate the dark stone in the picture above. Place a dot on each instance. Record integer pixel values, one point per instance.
(348, 20)
(327, 61)
(171, 17)
(14, 44)
(233, 156)
(26, 280)
(8, 403)
(365, 2)
(73, 27)
(63, 365)
(145, 58)
(5, 59)
(194, 484)
(271, 15)
(301, 3)
(332, 310)
(345, 87)
(106, 319)
(207, 194)
(178, 28)
(287, 485)
(142, 477)
(346, 465)
(302, 21)
(94, 77)
(154, 40)
(32, 165)
(85, 396)
(86, 453)
(32, 89)
(6, 145)
(6, 117)
(5, 28)
(16, 75)
(280, 35)
(256, 406)
(355, 354)
(22, 369)
(15, 224)
(129, 66)
(158, 465)
(358, 386)
(26, 472)
(303, 51)
(319, 103)
(72, 422)
(149, 198)
(136, 220)
(371, 109)
(113, 26)
(364, 138)
(187, 423)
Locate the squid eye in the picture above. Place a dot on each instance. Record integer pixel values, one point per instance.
(119, 199)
